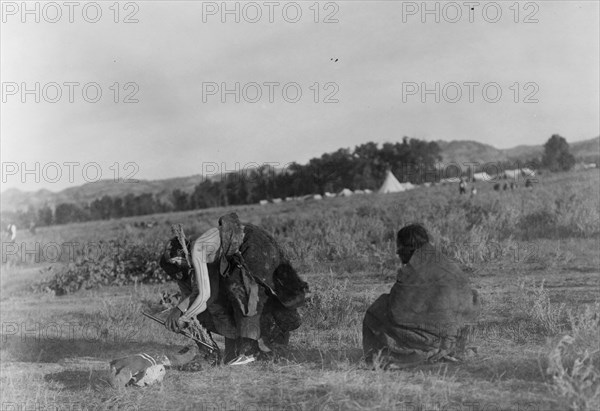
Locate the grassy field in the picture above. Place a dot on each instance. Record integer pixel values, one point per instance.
(532, 255)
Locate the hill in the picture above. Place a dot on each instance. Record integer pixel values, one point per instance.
(472, 151)
(582, 150)
(461, 151)
(464, 151)
(524, 152)
(586, 149)
(15, 199)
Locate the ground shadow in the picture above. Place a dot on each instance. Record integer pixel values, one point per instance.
(501, 369)
(332, 359)
(490, 369)
(16, 349)
(323, 357)
(79, 380)
(41, 350)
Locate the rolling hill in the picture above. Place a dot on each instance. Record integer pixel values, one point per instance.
(586, 149)
(472, 151)
(462, 151)
(15, 199)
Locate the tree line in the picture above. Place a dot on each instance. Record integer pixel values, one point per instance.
(363, 167)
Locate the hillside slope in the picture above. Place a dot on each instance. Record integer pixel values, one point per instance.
(461, 151)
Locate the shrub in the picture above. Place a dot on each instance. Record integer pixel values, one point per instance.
(533, 304)
(120, 263)
(538, 224)
(574, 372)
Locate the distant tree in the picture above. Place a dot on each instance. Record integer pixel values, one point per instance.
(130, 207)
(556, 154)
(263, 186)
(63, 213)
(181, 200)
(236, 188)
(101, 208)
(69, 213)
(45, 216)
(422, 159)
(146, 204)
(366, 179)
(117, 208)
(206, 194)
(26, 218)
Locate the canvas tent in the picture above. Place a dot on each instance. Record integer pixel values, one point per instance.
(527, 172)
(516, 174)
(512, 174)
(345, 193)
(485, 177)
(391, 184)
(449, 180)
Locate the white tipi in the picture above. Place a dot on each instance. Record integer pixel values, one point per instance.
(391, 184)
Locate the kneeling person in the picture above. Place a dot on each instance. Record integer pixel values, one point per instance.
(424, 317)
(242, 287)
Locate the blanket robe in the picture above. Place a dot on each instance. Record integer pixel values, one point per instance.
(427, 309)
(280, 290)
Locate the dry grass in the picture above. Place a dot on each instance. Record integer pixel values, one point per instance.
(574, 360)
(537, 285)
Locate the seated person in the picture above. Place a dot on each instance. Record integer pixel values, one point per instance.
(425, 315)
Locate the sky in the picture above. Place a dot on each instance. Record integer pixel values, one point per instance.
(148, 89)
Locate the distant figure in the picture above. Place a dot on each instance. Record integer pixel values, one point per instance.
(505, 187)
(513, 185)
(473, 191)
(32, 227)
(11, 232)
(497, 187)
(462, 186)
(529, 184)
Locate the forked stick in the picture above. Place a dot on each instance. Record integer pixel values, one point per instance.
(177, 230)
(185, 333)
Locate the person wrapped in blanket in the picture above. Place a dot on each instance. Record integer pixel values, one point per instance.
(426, 314)
(242, 287)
